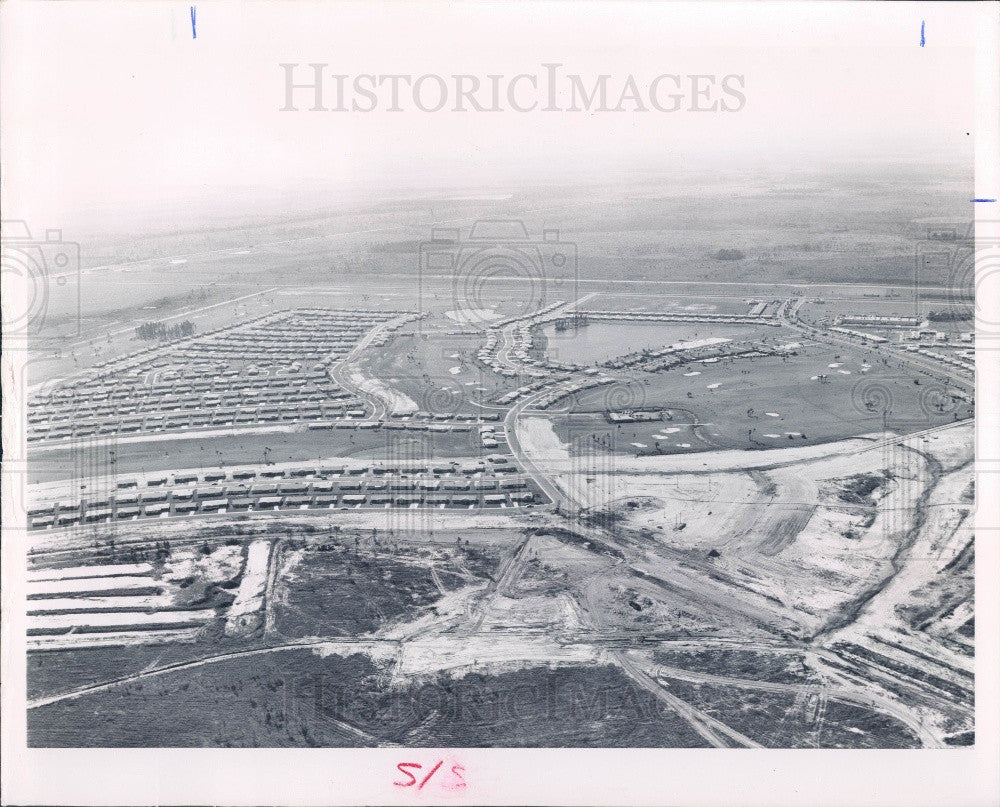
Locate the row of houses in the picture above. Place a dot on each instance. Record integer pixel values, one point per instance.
(872, 338)
(961, 362)
(572, 386)
(211, 401)
(675, 356)
(927, 335)
(878, 320)
(326, 416)
(490, 466)
(378, 425)
(340, 486)
(214, 418)
(463, 417)
(210, 501)
(513, 358)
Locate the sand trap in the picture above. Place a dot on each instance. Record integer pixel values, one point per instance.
(684, 445)
(454, 370)
(664, 432)
(716, 385)
(398, 402)
(835, 365)
(773, 436)
(694, 343)
(794, 434)
(772, 414)
(844, 372)
(640, 445)
(472, 315)
(814, 378)
(693, 372)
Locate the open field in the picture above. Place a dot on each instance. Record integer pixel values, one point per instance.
(761, 403)
(347, 592)
(300, 698)
(795, 721)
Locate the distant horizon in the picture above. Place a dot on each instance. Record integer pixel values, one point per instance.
(240, 205)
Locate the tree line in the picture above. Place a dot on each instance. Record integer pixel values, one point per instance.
(149, 331)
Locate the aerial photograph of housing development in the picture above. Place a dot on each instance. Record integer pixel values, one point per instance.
(546, 432)
(687, 472)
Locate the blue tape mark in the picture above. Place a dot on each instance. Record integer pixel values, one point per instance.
(923, 41)
(984, 200)
(194, 30)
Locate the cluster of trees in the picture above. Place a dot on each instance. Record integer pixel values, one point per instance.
(948, 316)
(729, 255)
(134, 554)
(149, 331)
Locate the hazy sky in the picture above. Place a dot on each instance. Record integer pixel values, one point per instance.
(118, 107)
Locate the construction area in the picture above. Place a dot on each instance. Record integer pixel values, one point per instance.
(721, 509)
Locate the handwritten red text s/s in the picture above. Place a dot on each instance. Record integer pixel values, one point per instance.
(437, 775)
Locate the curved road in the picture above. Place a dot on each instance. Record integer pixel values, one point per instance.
(338, 372)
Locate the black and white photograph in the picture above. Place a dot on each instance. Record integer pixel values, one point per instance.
(475, 403)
